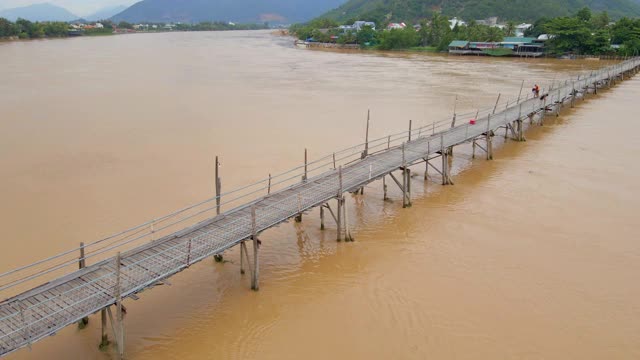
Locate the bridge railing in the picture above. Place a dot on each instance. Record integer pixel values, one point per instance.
(25, 277)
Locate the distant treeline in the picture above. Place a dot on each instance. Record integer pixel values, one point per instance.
(584, 33)
(25, 29)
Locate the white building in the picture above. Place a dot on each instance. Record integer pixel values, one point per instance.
(520, 29)
(99, 26)
(358, 25)
(456, 22)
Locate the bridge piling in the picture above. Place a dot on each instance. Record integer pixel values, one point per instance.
(242, 258)
(81, 265)
(426, 162)
(119, 326)
(218, 185)
(322, 217)
(384, 188)
(347, 229)
(340, 207)
(104, 340)
(255, 285)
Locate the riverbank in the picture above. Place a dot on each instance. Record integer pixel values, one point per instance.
(323, 45)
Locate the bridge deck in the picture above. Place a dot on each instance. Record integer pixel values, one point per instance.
(44, 310)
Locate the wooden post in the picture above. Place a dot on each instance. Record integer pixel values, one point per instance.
(322, 217)
(81, 261)
(445, 163)
(426, 162)
(81, 265)
(408, 171)
(384, 188)
(305, 177)
(455, 105)
(409, 130)
(334, 161)
(218, 186)
(118, 296)
(366, 137)
(256, 264)
(269, 186)
(389, 142)
(404, 179)
(242, 258)
(347, 230)
(104, 341)
(497, 101)
(340, 200)
(298, 217)
(520, 93)
(473, 149)
(488, 139)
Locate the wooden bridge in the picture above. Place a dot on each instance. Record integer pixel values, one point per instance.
(44, 297)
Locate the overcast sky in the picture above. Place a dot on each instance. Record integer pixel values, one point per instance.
(78, 7)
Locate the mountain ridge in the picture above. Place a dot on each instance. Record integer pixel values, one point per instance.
(518, 10)
(38, 12)
(242, 11)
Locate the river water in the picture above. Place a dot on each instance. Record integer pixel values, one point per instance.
(532, 255)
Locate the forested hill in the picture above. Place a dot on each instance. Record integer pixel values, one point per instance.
(273, 11)
(383, 11)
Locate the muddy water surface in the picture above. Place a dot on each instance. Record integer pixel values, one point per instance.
(533, 255)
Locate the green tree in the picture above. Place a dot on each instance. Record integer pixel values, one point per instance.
(570, 35)
(367, 35)
(438, 30)
(584, 14)
(56, 29)
(125, 25)
(7, 28)
(510, 29)
(399, 39)
(348, 37)
(601, 20)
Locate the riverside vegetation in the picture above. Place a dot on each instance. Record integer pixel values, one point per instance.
(25, 29)
(582, 33)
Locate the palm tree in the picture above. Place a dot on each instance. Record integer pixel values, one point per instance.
(510, 29)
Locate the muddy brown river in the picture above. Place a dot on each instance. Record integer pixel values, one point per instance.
(534, 255)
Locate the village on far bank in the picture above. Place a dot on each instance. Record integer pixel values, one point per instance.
(581, 35)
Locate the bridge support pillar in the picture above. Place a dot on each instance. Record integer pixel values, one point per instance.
(242, 255)
(322, 217)
(489, 140)
(406, 191)
(104, 341)
(81, 265)
(520, 131)
(446, 169)
(255, 273)
(384, 188)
